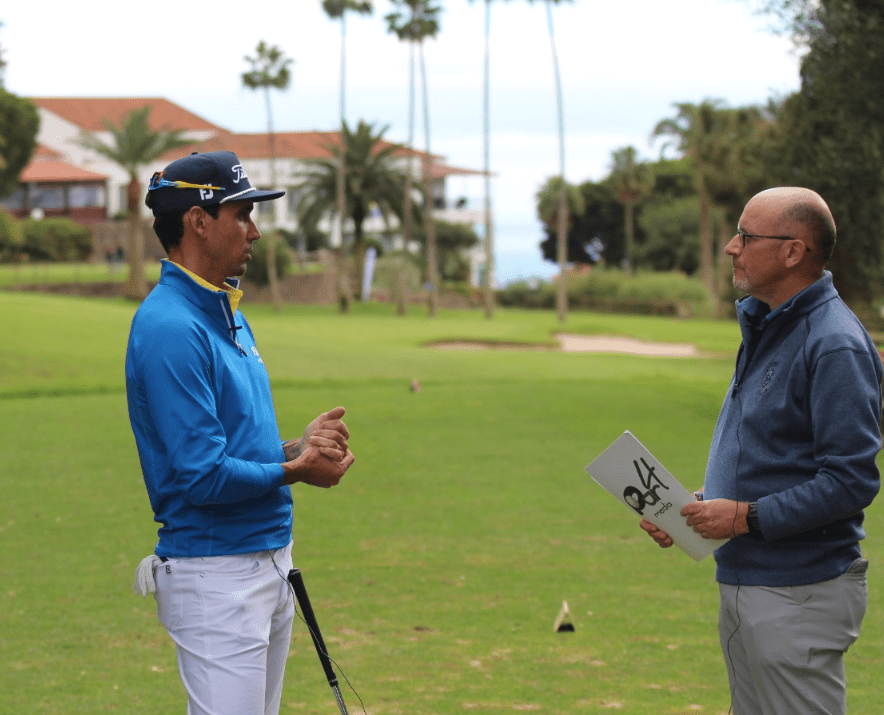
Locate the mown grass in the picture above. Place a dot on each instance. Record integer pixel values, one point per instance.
(12, 274)
(38, 273)
(62, 344)
(437, 567)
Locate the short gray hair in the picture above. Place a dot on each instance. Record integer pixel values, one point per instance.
(818, 221)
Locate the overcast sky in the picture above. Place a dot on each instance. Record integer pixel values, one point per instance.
(623, 65)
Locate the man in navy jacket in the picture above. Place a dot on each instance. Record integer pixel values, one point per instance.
(216, 470)
(791, 466)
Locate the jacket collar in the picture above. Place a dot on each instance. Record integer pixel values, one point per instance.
(220, 304)
(231, 285)
(753, 313)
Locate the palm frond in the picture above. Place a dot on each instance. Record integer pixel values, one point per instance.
(134, 144)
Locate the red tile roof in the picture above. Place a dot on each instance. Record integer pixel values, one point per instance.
(50, 171)
(299, 145)
(440, 171)
(89, 113)
(44, 152)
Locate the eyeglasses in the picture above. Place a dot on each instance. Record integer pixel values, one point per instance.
(743, 236)
(158, 182)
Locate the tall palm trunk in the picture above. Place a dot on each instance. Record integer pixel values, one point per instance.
(402, 292)
(358, 215)
(273, 278)
(136, 284)
(562, 223)
(725, 273)
(562, 251)
(486, 123)
(429, 223)
(344, 295)
(707, 272)
(629, 209)
(359, 249)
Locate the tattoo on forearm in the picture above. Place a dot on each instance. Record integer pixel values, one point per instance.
(292, 449)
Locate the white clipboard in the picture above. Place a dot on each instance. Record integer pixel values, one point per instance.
(632, 474)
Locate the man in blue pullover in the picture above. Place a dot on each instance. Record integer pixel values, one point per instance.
(217, 473)
(791, 466)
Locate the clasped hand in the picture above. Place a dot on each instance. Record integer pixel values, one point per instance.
(321, 457)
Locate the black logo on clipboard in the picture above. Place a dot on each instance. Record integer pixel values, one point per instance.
(647, 496)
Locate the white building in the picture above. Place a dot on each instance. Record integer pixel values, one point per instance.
(63, 120)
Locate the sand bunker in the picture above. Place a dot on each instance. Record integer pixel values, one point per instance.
(627, 346)
(587, 344)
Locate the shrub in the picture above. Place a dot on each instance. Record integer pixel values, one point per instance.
(314, 239)
(613, 290)
(56, 239)
(598, 283)
(651, 293)
(527, 294)
(11, 238)
(257, 272)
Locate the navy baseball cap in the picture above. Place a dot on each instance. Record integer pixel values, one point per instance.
(215, 177)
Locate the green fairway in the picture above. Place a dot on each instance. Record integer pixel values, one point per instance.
(39, 273)
(436, 568)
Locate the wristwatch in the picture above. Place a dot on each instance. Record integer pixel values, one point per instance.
(752, 518)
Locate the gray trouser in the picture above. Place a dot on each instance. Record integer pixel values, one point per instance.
(784, 647)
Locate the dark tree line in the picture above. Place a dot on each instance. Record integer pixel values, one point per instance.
(832, 130)
(828, 136)
(665, 231)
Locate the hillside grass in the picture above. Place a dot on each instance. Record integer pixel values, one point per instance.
(436, 568)
(39, 273)
(13, 274)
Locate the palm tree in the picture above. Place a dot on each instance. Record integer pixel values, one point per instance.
(412, 22)
(695, 131)
(562, 223)
(270, 69)
(549, 205)
(337, 9)
(738, 172)
(632, 181)
(432, 254)
(373, 179)
(488, 288)
(134, 146)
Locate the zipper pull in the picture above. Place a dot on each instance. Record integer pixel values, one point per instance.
(233, 336)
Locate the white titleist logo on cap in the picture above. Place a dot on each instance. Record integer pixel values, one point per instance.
(240, 173)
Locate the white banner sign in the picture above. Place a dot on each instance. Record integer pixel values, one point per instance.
(371, 256)
(632, 474)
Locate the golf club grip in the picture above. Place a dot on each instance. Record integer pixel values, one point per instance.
(297, 582)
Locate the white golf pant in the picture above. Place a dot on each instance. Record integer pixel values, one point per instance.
(231, 620)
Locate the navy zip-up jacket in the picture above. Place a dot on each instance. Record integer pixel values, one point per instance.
(203, 418)
(798, 433)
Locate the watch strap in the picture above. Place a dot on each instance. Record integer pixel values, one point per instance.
(752, 519)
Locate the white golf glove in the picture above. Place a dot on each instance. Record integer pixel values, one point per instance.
(144, 578)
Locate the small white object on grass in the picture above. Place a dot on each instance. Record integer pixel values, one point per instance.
(563, 622)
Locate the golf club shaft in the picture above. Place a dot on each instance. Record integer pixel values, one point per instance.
(341, 706)
(297, 582)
